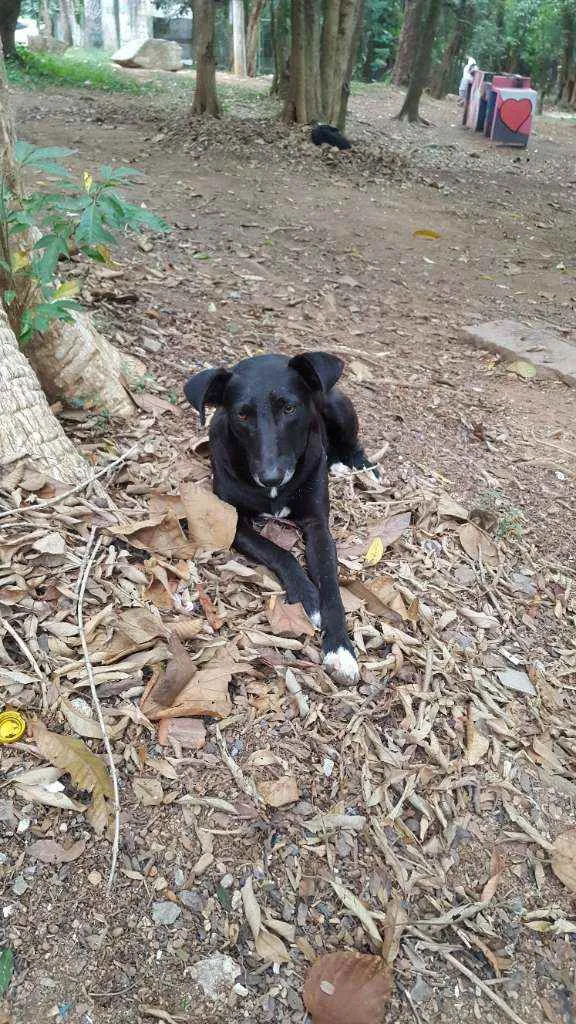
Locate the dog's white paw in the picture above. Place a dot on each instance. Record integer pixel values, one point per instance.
(340, 470)
(316, 619)
(342, 665)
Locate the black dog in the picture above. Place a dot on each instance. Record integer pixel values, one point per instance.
(279, 426)
(329, 134)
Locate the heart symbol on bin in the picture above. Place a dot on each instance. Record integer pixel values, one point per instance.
(515, 113)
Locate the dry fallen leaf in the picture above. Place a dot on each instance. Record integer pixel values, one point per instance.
(478, 544)
(148, 792)
(476, 744)
(348, 988)
(288, 619)
(279, 792)
(48, 851)
(268, 946)
(211, 522)
(188, 733)
(427, 233)
(374, 553)
(564, 859)
(87, 771)
(183, 692)
(161, 535)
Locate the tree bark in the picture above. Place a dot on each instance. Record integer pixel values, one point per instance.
(253, 36)
(46, 18)
(70, 27)
(279, 30)
(28, 427)
(407, 43)
(93, 28)
(205, 97)
(461, 32)
(428, 15)
(565, 87)
(9, 14)
(239, 37)
(334, 47)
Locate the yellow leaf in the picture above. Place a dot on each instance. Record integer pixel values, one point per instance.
(426, 233)
(66, 290)
(522, 369)
(375, 552)
(20, 259)
(88, 180)
(87, 771)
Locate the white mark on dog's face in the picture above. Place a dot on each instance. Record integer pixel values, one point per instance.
(342, 665)
(273, 492)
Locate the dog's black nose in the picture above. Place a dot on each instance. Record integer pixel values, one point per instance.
(271, 479)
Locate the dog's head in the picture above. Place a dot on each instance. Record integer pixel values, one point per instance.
(270, 403)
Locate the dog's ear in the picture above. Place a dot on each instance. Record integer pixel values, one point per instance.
(206, 388)
(320, 370)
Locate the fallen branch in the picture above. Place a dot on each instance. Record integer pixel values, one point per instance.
(73, 490)
(83, 580)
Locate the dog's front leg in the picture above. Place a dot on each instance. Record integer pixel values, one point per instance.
(339, 657)
(288, 570)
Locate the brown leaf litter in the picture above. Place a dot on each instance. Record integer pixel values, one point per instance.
(383, 802)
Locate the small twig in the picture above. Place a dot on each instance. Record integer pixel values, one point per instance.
(95, 699)
(30, 657)
(470, 975)
(73, 490)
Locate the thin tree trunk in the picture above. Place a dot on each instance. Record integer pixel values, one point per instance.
(47, 27)
(67, 22)
(280, 42)
(93, 28)
(461, 32)
(205, 97)
(253, 36)
(295, 107)
(352, 53)
(239, 37)
(9, 14)
(28, 427)
(428, 16)
(569, 32)
(339, 40)
(407, 43)
(368, 62)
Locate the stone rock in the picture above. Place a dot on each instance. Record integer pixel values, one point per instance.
(46, 44)
(215, 975)
(542, 347)
(165, 912)
(152, 54)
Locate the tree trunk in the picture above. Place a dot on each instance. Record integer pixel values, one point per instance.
(407, 43)
(253, 36)
(239, 37)
(368, 62)
(28, 427)
(569, 43)
(461, 32)
(70, 27)
(73, 361)
(9, 14)
(280, 43)
(428, 15)
(47, 27)
(205, 96)
(352, 52)
(93, 29)
(337, 43)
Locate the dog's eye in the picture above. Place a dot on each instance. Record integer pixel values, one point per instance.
(243, 414)
(289, 409)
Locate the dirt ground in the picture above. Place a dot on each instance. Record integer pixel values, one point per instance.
(278, 246)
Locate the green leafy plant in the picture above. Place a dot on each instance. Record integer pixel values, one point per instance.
(41, 228)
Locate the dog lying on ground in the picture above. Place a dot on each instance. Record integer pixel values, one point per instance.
(280, 425)
(330, 135)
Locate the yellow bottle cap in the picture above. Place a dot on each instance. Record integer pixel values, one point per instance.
(12, 726)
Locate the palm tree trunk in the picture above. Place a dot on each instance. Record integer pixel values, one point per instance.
(28, 427)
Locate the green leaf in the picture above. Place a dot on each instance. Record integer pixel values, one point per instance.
(6, 969)
(8, 297)
(42, 157)
(90, 230)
